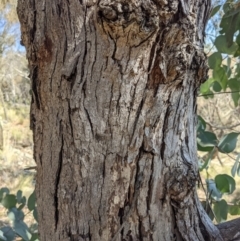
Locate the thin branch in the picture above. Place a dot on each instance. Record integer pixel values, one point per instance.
(230, 230)
(226, 92)
(225, 127)
(230, 157)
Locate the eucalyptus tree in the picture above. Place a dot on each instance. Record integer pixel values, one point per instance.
(114, 86)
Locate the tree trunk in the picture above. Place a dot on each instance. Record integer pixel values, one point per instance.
(113, 113)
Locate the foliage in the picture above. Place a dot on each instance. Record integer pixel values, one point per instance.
(224, 64)
(16, 206)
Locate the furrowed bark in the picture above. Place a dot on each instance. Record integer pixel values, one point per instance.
(113, 113)
(230, 230)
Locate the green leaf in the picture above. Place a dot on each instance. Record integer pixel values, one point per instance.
(3, 191)
(232, 29)
(238, 170)
(214, 60)
(9, 201)
(237, 71)
(31, 201)
(234, 85)
(224, 25)
(216, 86)
(15, 214)
(2, 237)
(234, 209)
(221, 210)
(235, 166)
(201, 125)
(34, 237)
(19, 196)
(23, 203)
(22, 230)
(236, 97)
(237, 53)
(227, 70)
(204, 149)
(219, 74)
(35, 214)
(225, 183)
(206, 139)
(205, 87)
(207, 162)
(231, 12)
(205, 165)
(227, 7)
(222, 45)
(228, 143)
(230, 21)
(21, 206)
(215, 10)
(238, 39)
(8, 232)
(212, 189)
(24, 200)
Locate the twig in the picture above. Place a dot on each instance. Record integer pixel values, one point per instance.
(226, 92)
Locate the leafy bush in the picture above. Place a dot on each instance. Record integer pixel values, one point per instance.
(224, 65)
(17, 207)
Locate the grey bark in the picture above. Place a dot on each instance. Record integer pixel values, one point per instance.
(113, 115)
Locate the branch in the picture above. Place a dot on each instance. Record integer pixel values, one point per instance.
(226, 92)
(230, 230)
(225, 127)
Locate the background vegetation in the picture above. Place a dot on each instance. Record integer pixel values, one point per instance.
(217, 131)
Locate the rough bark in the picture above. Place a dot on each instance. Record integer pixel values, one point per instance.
(230, 230)
(113, 113)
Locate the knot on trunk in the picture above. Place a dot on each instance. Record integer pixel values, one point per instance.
(176, 54)
(140, 17)
(180, 183)
(199, 64)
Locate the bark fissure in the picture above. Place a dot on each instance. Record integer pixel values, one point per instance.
(138, 113)
(53, 70)
(85, 52)
(149, 196)
(89, 120)
(58, 176)
(35, 93)
(163, 133)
